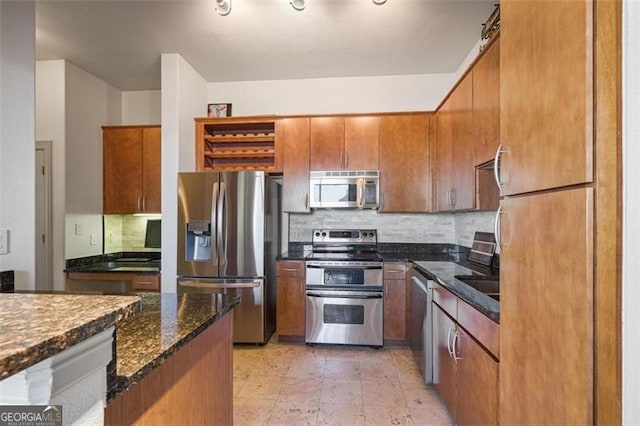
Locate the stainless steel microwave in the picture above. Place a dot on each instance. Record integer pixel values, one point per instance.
(344, 189)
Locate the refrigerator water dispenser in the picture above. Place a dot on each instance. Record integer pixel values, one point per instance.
(198, 241)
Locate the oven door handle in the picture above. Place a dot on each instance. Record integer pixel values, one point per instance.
(342, 267)
(345, 294)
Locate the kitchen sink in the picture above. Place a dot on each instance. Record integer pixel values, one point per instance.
(489, 285)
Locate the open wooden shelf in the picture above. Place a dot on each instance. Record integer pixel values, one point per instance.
(233, 145)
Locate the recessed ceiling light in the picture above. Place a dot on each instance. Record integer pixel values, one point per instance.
(223, 7)
(297, 4)
(379, 2)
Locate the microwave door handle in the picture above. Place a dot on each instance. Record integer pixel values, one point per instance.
(360, 186)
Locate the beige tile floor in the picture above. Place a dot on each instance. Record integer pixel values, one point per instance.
(294, 384)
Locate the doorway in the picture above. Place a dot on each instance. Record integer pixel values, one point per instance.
(43, 216)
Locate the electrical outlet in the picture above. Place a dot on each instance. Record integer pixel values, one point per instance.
(4, 241)
(93, 239)
(79, 228)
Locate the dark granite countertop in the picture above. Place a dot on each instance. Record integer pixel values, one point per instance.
(440, 261)
(121, 262)
(38, 326)
(167, 322)
(444, 271)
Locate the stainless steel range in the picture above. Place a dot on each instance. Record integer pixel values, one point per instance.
(344, 288)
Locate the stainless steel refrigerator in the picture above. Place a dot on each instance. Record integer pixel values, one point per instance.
(228, 240)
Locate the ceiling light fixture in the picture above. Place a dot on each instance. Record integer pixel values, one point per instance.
(223, 7)
(297, 4)
(379, 2)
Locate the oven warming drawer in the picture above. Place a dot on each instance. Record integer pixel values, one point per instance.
(344, 317)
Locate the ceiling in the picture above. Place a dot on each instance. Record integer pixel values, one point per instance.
(120, 41)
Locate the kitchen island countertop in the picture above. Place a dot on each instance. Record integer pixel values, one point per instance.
(167, 322)
(38, 326)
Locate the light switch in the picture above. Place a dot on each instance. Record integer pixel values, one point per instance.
(4, 241)
(79, 228)
(93, 239)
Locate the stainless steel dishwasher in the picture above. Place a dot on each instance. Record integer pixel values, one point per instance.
(422, 323)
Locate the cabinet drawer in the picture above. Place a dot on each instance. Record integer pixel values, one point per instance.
(290, 269)
(395, 271)
(446, 300)
(483, 329)
(146, 282)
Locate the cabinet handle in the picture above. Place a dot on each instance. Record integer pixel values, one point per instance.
(346, 159)
(290, 269)
(456, 335)
(496, 227)
(454, 199)
(385, 290)
(496, 167)
(306, 201)
(144, 204)
(449, 198)
(138, 203)
(449, 342)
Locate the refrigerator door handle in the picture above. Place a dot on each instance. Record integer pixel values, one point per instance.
(214, 283)
(219, 236)
(214, 216)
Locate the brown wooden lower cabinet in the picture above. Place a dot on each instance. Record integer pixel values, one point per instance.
(465, 375)
(192, 387)
(291, 299)
(139, 282)
(395, 329)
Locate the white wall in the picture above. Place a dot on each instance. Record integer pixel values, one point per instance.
(184, 96)
(141, 107)
(631, 214)
(17, 138)
(90, 104)
(50, 125)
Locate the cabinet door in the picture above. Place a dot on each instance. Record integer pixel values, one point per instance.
(478, 383)
(326, 141)
(295, 191)
(462, 171)
(290, 303)
(444, 367)
(486, 104)
(443, 156)
(151, 169)
(361, 136)
(546, 309)
(405, 174)
(122, 170)
(395, 309)
(546, 86)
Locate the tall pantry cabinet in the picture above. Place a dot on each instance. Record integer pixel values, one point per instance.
(552, 303)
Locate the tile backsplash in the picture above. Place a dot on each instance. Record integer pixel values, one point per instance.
(447, 228)
(125, 233)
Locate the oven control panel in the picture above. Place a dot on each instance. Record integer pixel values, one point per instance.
(342, 236)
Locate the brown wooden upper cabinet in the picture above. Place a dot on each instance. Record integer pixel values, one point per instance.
(486, 104)
(131, 169)
(295, 168)
(455, 176)
(405, 173)
(344, 143)
(546, 86)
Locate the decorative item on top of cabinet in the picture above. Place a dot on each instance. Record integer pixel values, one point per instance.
(238, 144)
(131, 157)
(454, 181)
(295, 167)
(405, 172)
(291, 300)
(344, 143)
(396, 316)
